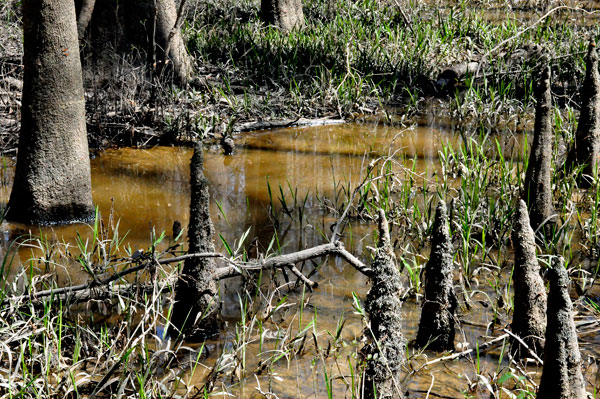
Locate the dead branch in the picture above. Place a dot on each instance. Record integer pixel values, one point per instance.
(518, 339)
(467, 351)
(93, 289)
(336, 248)
(251, 126)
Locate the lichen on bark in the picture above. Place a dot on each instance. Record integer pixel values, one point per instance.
(384, 351)
(436, 327)
(529, 317)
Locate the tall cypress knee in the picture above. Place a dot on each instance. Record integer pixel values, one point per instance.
(384, 350)
(561, 376)
(436, 327)
(529, 317)
(586, 150)
(197, 308)
(538, 191)
(52, 178)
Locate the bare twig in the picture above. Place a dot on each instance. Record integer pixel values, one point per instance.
(467, 351)
(531, 352)
(335, 248)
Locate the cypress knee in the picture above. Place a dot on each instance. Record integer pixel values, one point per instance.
(538, 191)
(586, 150)
(561, 376)
(196, 313)
(436, 327)
(384, 350)
(529, 317)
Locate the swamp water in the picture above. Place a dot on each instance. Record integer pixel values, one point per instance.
(149, 189)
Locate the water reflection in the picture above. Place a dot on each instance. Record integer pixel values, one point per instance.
(149, 189)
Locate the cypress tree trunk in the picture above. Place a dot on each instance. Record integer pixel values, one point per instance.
(170, 44)
(148, 25)
(52, 179)
(285, 14)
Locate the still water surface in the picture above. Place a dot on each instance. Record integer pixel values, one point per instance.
(149, 189)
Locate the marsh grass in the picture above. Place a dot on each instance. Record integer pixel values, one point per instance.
(352, 57)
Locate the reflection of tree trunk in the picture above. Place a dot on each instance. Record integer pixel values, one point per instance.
(52, 180)
(285, 14)
(153, 31)
(197, 309)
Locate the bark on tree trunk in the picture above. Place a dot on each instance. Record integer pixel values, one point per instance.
(197, 309)
(285, 14)
(84, 15)
(52, 179)
(152, 30)
(171, 47)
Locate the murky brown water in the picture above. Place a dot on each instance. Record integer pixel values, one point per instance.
(148, 189)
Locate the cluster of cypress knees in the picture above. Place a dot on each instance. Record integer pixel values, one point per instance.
(542, 323)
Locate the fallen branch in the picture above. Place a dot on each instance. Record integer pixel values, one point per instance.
(336, 248)
(483, 346)
(311, 284)
(106, 281)
(91, 289)
(251, 126)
